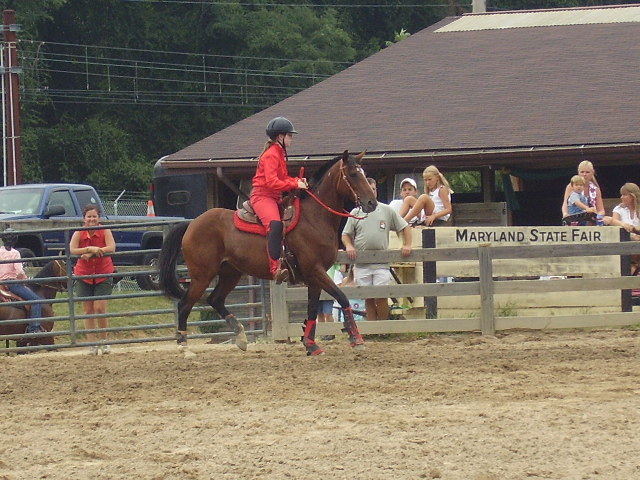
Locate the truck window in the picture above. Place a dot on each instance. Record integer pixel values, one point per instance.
(63, 197)
(86, 197)
(23, 201)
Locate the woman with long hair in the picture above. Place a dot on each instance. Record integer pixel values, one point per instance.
(592, 189)
(435, 203)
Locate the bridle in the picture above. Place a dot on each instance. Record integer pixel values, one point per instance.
(56, 285)
(341, 177)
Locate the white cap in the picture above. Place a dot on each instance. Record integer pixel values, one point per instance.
(411, 181)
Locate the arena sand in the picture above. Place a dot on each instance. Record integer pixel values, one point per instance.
(523, 405)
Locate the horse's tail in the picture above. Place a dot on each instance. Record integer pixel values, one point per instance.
(171, 247)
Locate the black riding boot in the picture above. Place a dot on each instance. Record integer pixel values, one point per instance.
(274, 249)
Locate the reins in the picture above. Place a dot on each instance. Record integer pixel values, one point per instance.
(344, 213)
(328, 208)
(58, 286)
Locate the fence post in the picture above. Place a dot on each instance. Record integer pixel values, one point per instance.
(279, 312)
(487, 315)
(429, 273)
(626, 296)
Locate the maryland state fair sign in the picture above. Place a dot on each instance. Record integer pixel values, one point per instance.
(532, 235)
(470, 237)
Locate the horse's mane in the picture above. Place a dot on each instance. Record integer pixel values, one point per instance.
(317, 177)
(46, 271)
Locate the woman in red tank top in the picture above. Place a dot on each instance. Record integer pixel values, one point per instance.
(92, 245)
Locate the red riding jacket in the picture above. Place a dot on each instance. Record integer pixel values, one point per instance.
(272, 176)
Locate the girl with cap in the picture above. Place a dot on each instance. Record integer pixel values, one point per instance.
(269, 183)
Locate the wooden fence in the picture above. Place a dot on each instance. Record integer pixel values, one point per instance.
(604, 270)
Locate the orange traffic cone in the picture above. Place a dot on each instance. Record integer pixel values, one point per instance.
(150, 210)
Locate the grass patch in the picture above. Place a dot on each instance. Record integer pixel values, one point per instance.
(508, 310)
(128, 306)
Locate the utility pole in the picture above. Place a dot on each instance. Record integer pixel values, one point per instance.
(9, 70)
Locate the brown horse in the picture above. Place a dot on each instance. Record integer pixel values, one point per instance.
(211, 245)
(54, 279)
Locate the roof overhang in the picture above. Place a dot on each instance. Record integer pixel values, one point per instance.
(533, 157)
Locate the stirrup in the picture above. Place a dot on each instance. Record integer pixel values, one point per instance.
(281, 275)
(34, 328)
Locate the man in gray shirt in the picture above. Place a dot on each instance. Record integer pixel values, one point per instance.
(372, 233)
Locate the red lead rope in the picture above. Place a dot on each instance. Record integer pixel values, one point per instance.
(335, 212)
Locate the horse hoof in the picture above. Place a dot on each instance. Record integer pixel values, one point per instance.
(314, 350)
(240, 337)
(241, 342)
(359, 347)
(188, 353)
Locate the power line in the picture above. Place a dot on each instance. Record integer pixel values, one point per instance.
(164, 66)
(109, 79)
(147, 98)
(191, 54)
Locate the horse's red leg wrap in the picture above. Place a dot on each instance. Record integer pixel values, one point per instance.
(351, 328)
(309, 338)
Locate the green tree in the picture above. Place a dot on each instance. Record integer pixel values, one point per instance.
(96, 151)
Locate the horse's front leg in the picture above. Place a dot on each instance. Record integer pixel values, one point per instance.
(350, 327)
(322, 281)
(309, 328)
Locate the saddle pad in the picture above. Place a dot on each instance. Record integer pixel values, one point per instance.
(260, 229)
(8, 296)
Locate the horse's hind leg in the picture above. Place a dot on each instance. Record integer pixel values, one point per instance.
(196, 288)
(228, 278)
(309, 328)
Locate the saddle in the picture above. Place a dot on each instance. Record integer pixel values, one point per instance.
(7, 296)
(246, 220)
(288, 213)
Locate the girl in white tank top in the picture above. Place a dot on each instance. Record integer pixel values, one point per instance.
(435, 204)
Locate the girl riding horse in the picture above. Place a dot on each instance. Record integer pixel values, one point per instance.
(270, 181)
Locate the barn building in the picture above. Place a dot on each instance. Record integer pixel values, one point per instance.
(521, 97)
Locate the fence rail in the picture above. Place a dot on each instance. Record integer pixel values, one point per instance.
(136, 316)
(487, 287)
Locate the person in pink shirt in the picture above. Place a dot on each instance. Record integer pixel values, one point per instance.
(15, 271)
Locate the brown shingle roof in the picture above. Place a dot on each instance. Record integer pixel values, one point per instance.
(466, 94)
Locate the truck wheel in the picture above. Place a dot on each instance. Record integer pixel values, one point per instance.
(25, 254)
(149, 282)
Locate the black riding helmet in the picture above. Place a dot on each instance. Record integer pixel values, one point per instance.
(279, 125)
(9, 237)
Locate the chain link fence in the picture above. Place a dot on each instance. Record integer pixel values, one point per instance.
(124, 203)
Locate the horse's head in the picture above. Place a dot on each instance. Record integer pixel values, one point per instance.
(355, 182)
(56, 273)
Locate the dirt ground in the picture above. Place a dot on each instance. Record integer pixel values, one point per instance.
(524, 405)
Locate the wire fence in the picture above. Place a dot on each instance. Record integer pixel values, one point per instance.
(124, 203)
(134, 316)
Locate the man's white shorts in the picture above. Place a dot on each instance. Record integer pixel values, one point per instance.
(367, 276)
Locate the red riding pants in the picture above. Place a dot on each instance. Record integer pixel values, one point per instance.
(268, 210)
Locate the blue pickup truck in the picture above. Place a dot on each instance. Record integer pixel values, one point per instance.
(47, 205)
